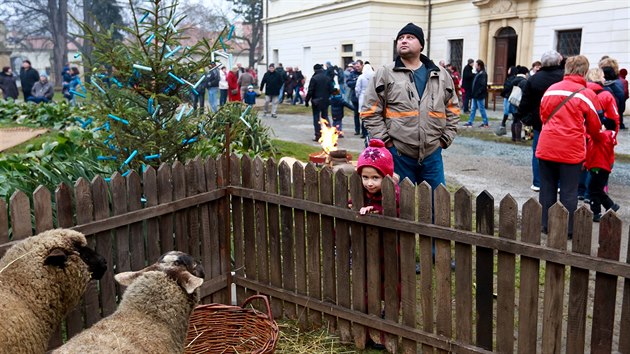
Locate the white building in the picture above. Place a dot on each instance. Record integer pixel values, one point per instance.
(500, 32)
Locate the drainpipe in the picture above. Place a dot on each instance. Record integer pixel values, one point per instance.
(429, 29)
(267, 33)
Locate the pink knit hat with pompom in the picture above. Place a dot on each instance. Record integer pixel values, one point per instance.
(377, 156)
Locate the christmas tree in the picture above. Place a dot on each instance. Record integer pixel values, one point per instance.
(141, 90)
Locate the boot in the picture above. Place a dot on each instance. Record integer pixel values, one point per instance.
(513, 128)
(517, 130)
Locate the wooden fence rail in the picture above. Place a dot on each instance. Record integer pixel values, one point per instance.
(286, 231)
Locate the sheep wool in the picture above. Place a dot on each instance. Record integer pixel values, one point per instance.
(41, 279)
(153, 315)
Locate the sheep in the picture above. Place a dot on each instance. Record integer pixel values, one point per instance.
(41, 279)
(154, 312)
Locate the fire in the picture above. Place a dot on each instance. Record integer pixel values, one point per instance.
(329, 136)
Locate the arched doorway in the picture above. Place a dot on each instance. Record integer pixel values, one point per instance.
(504, 53)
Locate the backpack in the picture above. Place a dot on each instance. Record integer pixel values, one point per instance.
(515, 96)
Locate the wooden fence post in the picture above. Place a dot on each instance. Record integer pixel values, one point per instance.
(150, 191)
(181, 216)
(463, 270)
(579, 283)
(273, 220)
(359, 270)
(193, 227)
(288, 243)
(262, 244)
(624, 338)
(443, 257)
(425, 215)
(605, 298)
(530, 268)
(214, 244)
(329, 281)
(63, 203)
(506, 277)
(165, 195)
(313, 229)
(136, 230)
(104, 245)
(343, 255)
(249, 222)
(391, 268)
(85, 214)
(485, 271)
(408, 264)
(300, 242)
(554, 281)
(237, 225)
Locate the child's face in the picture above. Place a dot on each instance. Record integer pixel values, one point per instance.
(372, 180)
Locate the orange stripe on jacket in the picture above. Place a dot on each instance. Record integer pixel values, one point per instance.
(392, 114)
(437, 114)
(369, 112)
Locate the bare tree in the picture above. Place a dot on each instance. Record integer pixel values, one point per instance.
(48, 18)
(252, 13)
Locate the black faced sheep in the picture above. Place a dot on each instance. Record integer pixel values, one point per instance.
(41, 279)
(153, 314)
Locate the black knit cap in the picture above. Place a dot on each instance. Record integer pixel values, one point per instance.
(410, 28)
(318, 67)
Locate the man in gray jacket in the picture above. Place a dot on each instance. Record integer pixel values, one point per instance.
(411, 105)
(42, 91)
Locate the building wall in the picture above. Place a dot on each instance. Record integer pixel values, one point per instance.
(371, 26)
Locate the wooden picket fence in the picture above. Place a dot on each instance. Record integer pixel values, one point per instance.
(286, 231)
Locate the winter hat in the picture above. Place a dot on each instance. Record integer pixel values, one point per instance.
(317, 67)
(410, 28)
(250, 87)
(378, 157)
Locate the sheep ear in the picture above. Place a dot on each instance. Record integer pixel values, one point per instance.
(57, 257)
(126, 278)
(191, 282)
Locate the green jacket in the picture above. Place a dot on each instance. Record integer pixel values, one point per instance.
(391, 110)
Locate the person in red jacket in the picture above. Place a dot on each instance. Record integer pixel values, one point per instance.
(600, 157)
(234, 91)
(561, 147)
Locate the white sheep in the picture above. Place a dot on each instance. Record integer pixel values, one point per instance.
(41, 279)
(153, 314)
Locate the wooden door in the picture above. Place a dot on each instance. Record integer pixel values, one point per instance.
(501, 46)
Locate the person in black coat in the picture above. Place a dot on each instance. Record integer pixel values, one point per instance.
(478, 95)
(467, 79)
(7, 84)
(319, 89)
(272, 82)
(28, 78)
(528, 111)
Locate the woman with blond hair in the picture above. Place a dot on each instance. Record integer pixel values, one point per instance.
(566, 108)
(234, 92)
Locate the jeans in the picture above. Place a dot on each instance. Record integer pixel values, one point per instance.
(37, 99)
(319, 112)
(274, 104)
(338, 122)
(430, 169)
(359, 128)
(199, 99)
(552, 175)
(213, 98)
(296, 96)
(481, 104)
(281, 96)
(223, 97)
(535, 168)
(585, 179)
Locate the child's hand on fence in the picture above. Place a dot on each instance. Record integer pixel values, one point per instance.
(366, 210)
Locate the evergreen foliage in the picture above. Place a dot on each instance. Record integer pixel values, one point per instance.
(140, 90)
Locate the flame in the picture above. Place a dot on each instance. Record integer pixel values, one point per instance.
(329, 136)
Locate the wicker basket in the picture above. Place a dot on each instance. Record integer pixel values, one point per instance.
(218, 328)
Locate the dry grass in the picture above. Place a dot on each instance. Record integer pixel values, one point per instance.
(293, 340)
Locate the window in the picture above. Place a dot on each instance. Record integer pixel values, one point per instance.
(275, 57)
(569, 42)
(347, 48)
(456, 50)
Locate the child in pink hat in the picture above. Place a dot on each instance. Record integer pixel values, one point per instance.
(375, 162)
